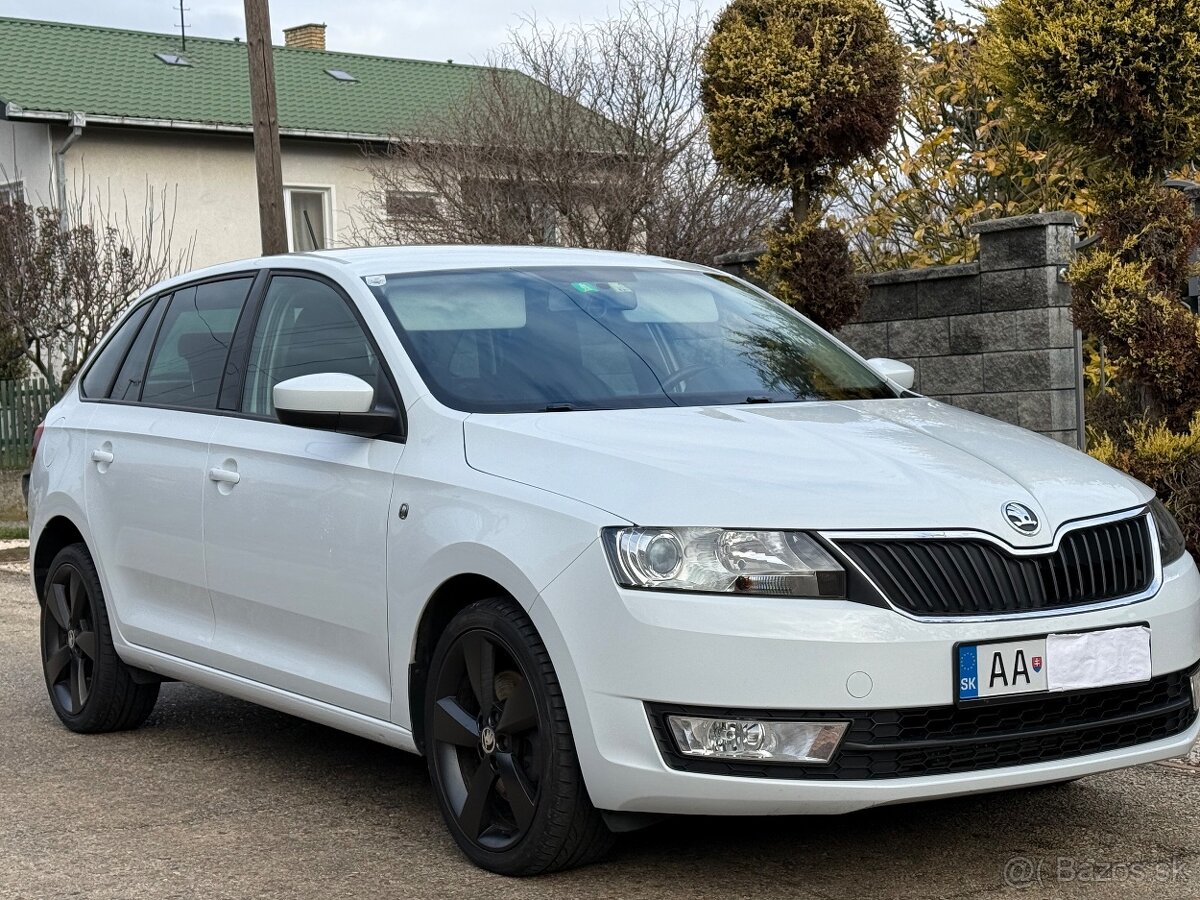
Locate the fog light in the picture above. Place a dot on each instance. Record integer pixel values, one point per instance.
(1196, 690)
(761, 739)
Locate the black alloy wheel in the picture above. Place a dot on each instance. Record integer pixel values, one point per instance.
(500, 751)
(485, 732)
(91, 689)
(69, 639)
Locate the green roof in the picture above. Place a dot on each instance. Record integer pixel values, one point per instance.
(107, 73)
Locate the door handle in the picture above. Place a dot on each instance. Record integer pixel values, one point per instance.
(223, 476)
(102, 456)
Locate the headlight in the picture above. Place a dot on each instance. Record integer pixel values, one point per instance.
(1171, 542)
(724, 561)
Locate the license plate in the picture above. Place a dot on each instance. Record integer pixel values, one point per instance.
(1057, 662)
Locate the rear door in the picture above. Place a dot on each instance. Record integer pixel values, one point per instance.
(295, 522)
(144, 479)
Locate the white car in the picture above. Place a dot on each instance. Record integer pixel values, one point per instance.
(604, 537)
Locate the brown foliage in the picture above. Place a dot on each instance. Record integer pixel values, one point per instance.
(1160, 223)
(810, 268)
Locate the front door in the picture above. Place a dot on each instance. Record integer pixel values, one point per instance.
(295, 519)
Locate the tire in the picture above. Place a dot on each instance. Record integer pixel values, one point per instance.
(91, 690)
(500, 753)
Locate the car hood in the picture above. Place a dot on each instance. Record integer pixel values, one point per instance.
(896, 464)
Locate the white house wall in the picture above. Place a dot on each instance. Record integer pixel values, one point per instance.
(25, 156)
(214, 176)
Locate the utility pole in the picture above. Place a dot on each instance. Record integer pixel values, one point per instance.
(266, 128)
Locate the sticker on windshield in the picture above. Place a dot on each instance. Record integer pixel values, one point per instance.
(584, 287)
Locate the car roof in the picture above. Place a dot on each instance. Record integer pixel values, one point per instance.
(362, 261)
(428, 258)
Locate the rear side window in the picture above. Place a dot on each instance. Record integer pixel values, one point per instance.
(99, 377)
(193, 343)
(127, 386)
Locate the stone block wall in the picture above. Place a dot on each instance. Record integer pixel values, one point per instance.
(994, 336)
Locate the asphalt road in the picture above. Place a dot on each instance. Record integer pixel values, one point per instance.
(217, 798)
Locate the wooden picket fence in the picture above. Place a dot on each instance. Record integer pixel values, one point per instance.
(22, 406)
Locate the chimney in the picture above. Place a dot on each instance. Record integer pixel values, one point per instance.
(305, 37)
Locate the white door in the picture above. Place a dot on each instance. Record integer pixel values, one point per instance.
(144, 479)
(295, 526)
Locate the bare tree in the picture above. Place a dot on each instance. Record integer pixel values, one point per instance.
(30, 250)
(590, 135)
(67, 275)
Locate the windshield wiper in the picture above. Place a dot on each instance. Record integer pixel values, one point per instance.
(560, 407)
(760, 398)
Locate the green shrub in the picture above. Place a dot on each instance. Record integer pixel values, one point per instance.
(1166, 460)
(1126, 292)
(793, 91)
(1117, 77)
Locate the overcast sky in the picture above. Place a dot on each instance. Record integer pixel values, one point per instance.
(463, 30)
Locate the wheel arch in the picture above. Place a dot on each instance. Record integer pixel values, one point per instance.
(59, 532)
(451, 597)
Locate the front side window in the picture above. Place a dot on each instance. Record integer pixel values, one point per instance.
(189, 356)
(545, 339)
(304, 328)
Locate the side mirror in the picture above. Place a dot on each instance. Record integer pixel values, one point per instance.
(900, 374)
(333, 401)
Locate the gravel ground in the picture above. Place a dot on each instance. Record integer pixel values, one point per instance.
(217, 798)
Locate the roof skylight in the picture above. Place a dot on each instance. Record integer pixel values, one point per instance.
(173, 59)
(340, 75)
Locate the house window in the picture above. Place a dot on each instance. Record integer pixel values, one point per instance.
(308, 219)
(13, 192)
(410, 206)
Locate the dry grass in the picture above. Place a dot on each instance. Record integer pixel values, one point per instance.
(14, 531)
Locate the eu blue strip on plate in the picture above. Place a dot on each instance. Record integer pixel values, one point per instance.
(968, 672)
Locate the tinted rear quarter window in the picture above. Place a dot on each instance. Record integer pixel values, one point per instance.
(127, 386)
(193, 342)
(99, 377)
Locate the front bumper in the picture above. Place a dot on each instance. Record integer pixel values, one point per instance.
(617, 651)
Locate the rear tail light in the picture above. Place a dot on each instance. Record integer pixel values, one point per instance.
(37, 439)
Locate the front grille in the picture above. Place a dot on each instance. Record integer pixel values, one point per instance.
(943, 740)
(970, 577)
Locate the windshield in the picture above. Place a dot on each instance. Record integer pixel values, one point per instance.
(551, 339)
